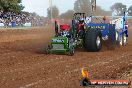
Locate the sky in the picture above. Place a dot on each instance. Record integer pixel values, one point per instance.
(40, 6)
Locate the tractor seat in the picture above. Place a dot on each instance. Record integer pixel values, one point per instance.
(64, 27)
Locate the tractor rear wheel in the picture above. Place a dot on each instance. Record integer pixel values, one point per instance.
(93, 40)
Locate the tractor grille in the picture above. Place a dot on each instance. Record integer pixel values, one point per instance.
(58, 46)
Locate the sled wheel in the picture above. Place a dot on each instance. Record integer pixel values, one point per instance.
(123, 40)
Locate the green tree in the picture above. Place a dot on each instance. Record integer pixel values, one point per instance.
(11, 5)
(130, 11)
(55, 12)
(119, 8)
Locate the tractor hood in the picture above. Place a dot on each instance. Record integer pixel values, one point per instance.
(59, 40)
(103, 27)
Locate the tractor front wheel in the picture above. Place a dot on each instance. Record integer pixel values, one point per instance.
(47, 49)
(123, 40)
(71, 51)
(93, 40)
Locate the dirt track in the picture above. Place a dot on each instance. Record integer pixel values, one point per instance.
(23, 66)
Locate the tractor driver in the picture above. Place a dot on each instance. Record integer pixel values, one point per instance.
(80, 27)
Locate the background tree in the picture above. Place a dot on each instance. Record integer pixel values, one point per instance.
(85, 6)
(130, 11)
(82, 6)
(11, 5)
(119, 8)
(67, 15)
(100, 12)
(55, 12)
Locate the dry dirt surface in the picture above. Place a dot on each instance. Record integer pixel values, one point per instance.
(23, 65)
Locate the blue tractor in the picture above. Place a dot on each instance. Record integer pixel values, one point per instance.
(87, 34)
(93, 34)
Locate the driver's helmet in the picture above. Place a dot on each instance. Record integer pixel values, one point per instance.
(81, 20)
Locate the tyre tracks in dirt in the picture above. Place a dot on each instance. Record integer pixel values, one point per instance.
(22, 66)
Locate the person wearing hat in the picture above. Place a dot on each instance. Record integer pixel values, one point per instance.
(126, 27)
